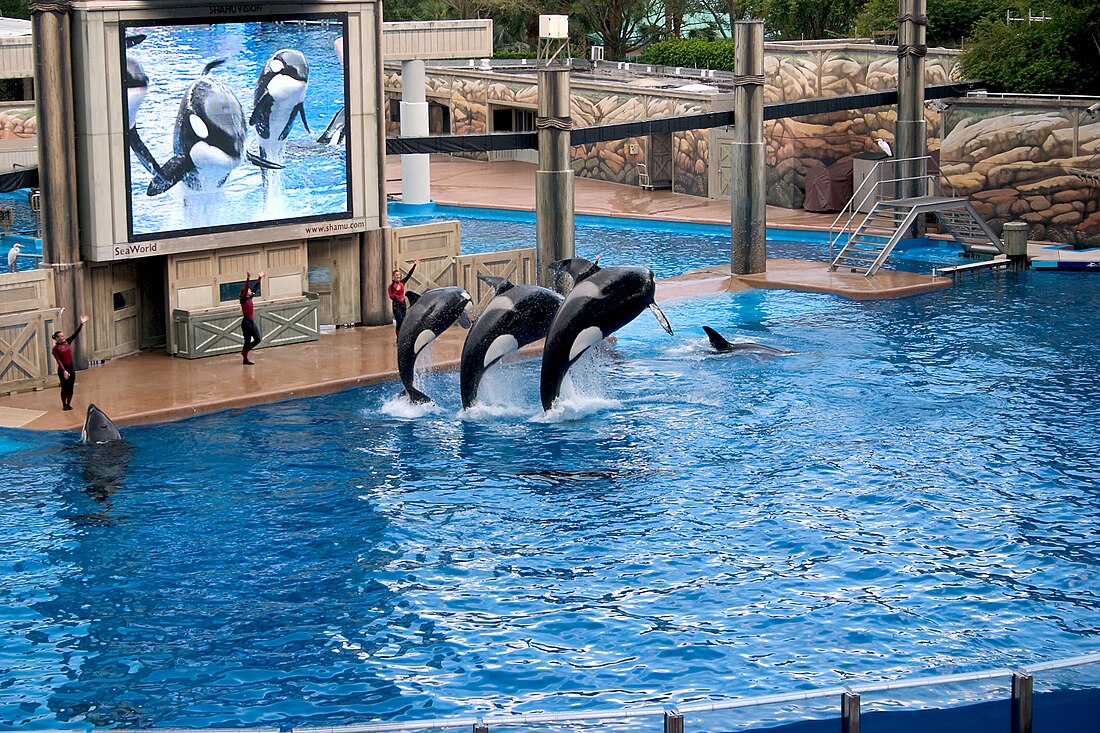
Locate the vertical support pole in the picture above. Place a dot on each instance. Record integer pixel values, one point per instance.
(674, 722)
(415, 171)
(554, 219)
(480, 727)
(1022, 685)
(53, 80)
(910, 135)
(849, 712)
(748, 253)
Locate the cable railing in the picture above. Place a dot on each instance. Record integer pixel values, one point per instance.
(672, 717)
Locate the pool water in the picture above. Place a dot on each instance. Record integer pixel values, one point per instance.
(668, 248)
(913, 490)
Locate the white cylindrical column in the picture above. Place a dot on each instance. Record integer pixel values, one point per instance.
(416, 182)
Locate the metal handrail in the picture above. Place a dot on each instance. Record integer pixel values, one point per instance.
(482, 722)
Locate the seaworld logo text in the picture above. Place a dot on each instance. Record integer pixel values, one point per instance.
(236, 9)
(135, 249)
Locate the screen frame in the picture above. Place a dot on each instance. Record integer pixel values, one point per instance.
(125, 26)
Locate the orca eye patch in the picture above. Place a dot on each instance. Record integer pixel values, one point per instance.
(200, 128)
(276, 66)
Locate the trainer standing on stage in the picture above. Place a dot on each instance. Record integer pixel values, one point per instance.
(63, 355)
(248, 326)
(396, 292)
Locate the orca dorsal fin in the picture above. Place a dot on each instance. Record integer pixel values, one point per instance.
(212, 65)
(577, 268)
(412, 297)
(500, 284)
(716, 339)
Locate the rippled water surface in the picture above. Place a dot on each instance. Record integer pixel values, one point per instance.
(914, 489)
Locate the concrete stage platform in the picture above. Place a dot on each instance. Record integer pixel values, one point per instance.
(154, 387)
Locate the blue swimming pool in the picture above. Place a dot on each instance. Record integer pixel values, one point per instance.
(913, 490)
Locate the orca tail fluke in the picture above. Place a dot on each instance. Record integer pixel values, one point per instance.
(716, 339)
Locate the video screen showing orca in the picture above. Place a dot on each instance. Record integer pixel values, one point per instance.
(235, 125)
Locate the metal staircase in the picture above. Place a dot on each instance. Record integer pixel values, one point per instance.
(866, 246)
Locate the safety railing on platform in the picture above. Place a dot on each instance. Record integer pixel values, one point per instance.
(1019, 681)
(882, 184)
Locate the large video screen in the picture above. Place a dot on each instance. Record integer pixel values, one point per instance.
(234, 125)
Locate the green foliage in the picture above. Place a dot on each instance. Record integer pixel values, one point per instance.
(798, 19)
(1058, 56)
(949, 21)
(15, 9)
(691, 53)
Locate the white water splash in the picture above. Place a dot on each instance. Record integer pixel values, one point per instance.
(401, 406)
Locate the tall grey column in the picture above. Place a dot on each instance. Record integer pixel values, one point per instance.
(51, 24)
(554, 178)
(909, 135)
(415, 171)
(748, 252)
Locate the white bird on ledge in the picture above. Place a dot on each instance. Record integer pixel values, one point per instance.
(13, 256)
(883, 146)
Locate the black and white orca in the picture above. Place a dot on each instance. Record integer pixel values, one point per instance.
(516, 316)
(208, 137)
(722, 346)
(136, 83)
(603, 300)
(334, 133)
(279, 99)
(98, 428)
(429, 315)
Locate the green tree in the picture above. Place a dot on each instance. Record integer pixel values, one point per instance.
(618, 24)
(1057, 56)
(949, 21)
(797, 19)
(15, 9)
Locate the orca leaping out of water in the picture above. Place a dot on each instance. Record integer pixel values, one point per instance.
(603, 300)
(722, 346)
(278, 100)
(208, 136)
(429, 315)
(516, 316)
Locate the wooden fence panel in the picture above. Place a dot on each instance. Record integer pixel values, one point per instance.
(218, 330)
(517, 265)
(25, 360)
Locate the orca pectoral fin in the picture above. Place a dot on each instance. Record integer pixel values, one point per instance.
(141, 152)
(170, 174)
(412, 297)
(301, 110)
(660, 316)
(465, 321)
(261, 116)
(262, 162)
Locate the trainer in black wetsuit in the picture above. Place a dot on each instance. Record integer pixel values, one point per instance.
(63, 355)
(248, 326)
(396, 291)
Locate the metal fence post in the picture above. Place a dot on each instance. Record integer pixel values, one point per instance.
(849, 712)
(674, 722)
(1022, 685)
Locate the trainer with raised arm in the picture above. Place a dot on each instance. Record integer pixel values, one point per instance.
(396, 291)
(63, 355)
(248, 325)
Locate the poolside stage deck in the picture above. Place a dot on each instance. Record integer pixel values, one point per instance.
(153, 387)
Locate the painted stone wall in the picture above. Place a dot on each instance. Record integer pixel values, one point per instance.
(18, 123)
(795, 145)
(1026, 165)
